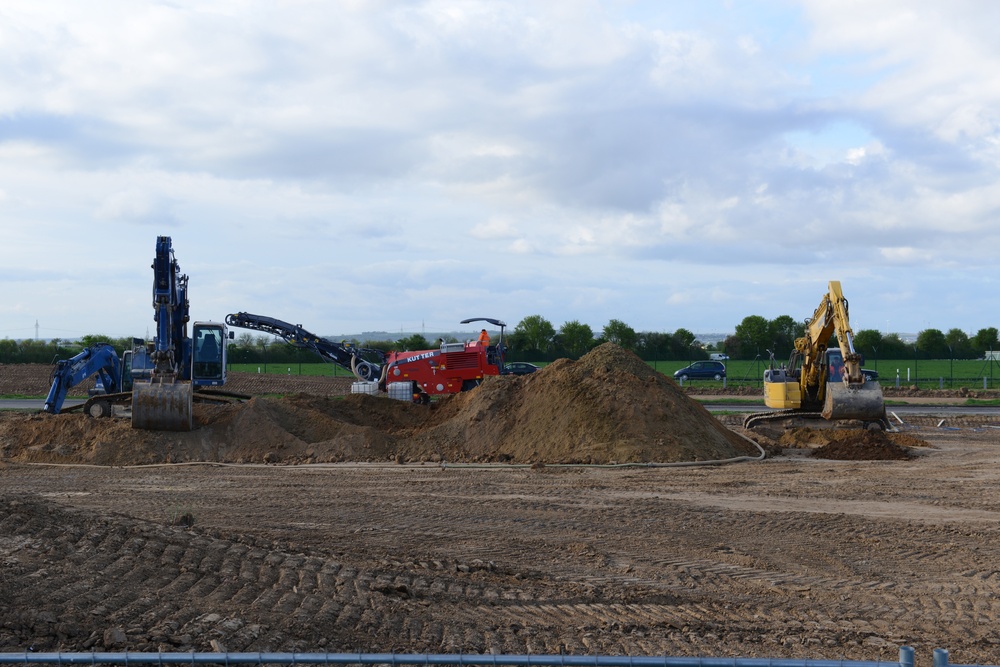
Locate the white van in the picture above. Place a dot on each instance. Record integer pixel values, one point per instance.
(718, 356)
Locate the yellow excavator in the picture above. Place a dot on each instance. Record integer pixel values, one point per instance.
(804, 390)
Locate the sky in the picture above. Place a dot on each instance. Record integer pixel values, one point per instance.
(359, 165)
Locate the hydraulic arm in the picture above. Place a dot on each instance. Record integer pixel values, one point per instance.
(365, 363)
(99, 359)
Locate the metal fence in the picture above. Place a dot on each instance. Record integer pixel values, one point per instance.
(906, 656)
(924, 374)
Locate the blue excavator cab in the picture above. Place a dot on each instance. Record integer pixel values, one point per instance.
(209, 356)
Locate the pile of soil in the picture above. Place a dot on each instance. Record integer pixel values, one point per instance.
(608, 407)
(863, 446)
(845, 444)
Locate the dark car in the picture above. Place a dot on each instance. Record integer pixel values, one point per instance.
(702, 370)
(519, 368)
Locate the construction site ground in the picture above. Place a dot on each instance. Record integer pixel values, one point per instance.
(502, 520)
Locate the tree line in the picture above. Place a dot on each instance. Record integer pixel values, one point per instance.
(535, 338)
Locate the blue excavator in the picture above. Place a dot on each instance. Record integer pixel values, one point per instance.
(158, 379)
(166, 374)
(99, 359)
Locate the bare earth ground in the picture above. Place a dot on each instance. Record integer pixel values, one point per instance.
(791, 556)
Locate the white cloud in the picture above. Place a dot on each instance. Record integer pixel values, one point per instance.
(598, 159)
(906, 255)
(497, 228)
(134, 206)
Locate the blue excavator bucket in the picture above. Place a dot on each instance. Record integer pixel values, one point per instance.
(161, 406)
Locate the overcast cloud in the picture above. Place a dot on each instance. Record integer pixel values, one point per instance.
(362, 166)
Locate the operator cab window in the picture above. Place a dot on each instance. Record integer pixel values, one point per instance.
(208, 353)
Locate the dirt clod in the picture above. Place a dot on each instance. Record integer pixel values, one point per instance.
(844, 444)
(862, 446)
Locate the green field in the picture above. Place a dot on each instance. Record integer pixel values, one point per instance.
(311, 368)
(927, 374)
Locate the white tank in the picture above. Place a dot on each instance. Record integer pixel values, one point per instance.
(401, 391)
(361, 387)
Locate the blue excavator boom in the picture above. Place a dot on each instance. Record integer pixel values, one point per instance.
(99, 359)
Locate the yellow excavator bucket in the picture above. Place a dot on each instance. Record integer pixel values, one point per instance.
(863, 402)
(162, 406)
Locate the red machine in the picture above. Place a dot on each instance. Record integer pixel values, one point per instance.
(452, 368)
(417, 376)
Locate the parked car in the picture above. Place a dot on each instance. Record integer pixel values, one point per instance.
(837, 370)
(519, 368)
(702, 370)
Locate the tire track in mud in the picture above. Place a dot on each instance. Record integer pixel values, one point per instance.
(468, 561)
(184, 577)
(280, 583)
(180, 576)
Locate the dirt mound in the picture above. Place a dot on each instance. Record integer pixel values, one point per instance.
(863, 446)
(607, 407)
(296, 429)
(847, 444)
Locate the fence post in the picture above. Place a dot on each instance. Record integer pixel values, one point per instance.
(940, 657)
(905, 656)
